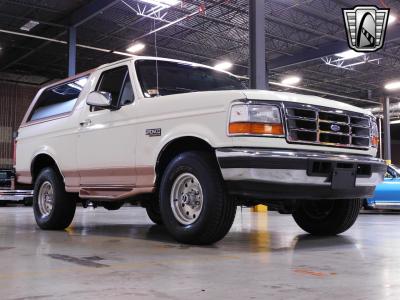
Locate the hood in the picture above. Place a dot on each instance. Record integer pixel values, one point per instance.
(305, 99)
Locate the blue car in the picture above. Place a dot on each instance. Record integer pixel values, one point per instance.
(387, 194)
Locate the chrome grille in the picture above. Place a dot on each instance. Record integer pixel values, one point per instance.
(316, 125)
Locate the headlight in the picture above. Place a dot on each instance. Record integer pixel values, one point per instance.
(255, 119)
(374, 134)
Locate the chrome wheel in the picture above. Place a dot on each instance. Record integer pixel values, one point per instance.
(46, 199)
(186, 199)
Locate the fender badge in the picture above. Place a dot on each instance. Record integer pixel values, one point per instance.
(153, 132)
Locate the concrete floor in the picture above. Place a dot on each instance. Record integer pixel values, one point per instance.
(121, 255)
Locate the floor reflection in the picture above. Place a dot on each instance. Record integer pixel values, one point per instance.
(266, 255)
(251, 235)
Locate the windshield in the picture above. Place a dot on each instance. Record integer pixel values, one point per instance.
(176, 78)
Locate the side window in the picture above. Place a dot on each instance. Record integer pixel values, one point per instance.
(127, 96)
(57, 100)
(118, 84)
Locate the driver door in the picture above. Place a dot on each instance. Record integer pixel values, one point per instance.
(106, 143)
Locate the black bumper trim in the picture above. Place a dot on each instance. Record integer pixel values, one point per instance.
(284, 163)
(251, 190)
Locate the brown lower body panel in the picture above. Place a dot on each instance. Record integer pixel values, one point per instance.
(112, 183)
(113, 193)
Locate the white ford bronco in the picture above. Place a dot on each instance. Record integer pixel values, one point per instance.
(191, 143)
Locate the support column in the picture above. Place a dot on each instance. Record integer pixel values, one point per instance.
(386, 125)
(71, 51)
(258, 70)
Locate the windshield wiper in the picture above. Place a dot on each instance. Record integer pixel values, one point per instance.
(177, 89)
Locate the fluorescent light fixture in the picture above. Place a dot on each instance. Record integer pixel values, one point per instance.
(394, 85)
(392, 19)
(225, 65)
(136, 47)
(349, 54)
(291, 80)
(29, 25)
(165, 3)
(395, 122)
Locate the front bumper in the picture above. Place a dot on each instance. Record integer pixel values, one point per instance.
(282, 174)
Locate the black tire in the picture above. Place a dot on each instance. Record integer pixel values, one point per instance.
(28, 201)
(63, 209)
(153, 212)
(326, 217)
(112, 205)
(218, 211)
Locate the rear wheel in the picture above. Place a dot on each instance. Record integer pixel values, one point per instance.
(194, 205)
(326, 217)
(54, 209)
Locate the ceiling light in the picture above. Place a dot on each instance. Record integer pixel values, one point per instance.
(394, 85)
(225, 65)
(166, 3)
(136, 47)
(349, 54)
(29, 25)
(291, 80)
(395, 122)
(392, 19)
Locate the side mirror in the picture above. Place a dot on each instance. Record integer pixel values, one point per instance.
(99, 99)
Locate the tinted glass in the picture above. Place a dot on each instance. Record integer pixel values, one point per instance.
(111, 82)
(174, 78)
(396, 169)
(127, 96)
(58, 99)
(393, 171)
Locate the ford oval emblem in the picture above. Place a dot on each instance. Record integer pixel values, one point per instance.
(335, 127)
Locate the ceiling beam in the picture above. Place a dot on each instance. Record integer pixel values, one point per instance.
(78, 17)
(326, 49)
(89, 11)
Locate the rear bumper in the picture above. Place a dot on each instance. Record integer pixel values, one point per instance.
(280, 174)
(8, 190)
(15, 195)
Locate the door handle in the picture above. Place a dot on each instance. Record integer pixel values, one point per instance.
(87, 122)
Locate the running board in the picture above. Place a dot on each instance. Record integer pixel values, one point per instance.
(114, 192)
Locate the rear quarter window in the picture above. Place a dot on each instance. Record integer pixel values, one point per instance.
(57, 100)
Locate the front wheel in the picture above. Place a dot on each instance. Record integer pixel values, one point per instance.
(194, 205)
(326, 217)
(54, 209)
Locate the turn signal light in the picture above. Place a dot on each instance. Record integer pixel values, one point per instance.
(374, 134)
(375, 141)
(255, 128)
